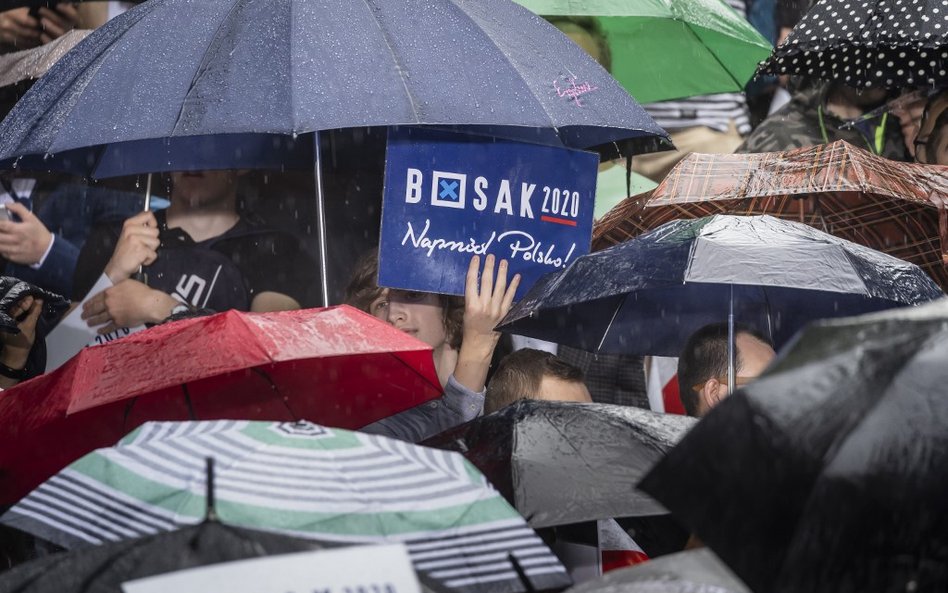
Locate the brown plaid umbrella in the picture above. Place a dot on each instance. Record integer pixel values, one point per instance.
(836, 188)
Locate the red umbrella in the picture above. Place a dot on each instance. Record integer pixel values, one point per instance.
(336, 366)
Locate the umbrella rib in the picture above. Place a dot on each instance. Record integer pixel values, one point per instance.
(274, 389)
(391, 50)
(402, 361)
(200, 69)
(712, 53)
(514, 66)
(614, 315)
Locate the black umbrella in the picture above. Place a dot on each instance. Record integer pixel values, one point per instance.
(560, 462)
(868, 43)
(105, 568)
(830, 472)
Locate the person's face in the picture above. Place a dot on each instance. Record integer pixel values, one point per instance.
(203, 188)
(555, 389)
(755, 357)
(419, 314)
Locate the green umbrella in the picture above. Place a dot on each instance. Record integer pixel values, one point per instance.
(670, 49)
(300, 479)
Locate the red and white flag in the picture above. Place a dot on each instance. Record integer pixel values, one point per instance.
(662, 385)
(617, 548)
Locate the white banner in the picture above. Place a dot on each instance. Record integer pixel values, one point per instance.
(356, 569)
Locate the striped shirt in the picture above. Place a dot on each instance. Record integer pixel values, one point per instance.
(713, 111)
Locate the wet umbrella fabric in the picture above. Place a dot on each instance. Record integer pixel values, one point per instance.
(254, 70)
(868, 44)
(692, 571)
(837, 188)
(106, 567)
(336, 365)
(300, 479)
(828, 473)
(560, 463)
(647, 295)
(682, 48)
(33, 63)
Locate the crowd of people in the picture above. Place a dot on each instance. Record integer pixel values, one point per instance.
(203, 249)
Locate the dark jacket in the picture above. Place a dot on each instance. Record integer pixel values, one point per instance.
(797, 124)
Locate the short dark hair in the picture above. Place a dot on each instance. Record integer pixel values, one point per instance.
(519, 374)
(363, 289)
(592, 27)
(705, 356)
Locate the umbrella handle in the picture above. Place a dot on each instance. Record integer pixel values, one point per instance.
(140, 275)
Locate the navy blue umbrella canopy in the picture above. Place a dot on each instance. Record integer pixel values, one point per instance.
(647, 295)
(252, 69)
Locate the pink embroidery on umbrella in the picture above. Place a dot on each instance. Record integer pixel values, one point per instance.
(573, 91)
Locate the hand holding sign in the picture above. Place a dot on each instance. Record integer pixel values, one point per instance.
(451, 196)
(485, 304)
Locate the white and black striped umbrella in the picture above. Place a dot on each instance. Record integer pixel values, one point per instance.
(868, 44)
(300, 479)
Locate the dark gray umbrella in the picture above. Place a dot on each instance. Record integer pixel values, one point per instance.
(830, 472)
(105, 568)
(561, 462)
(868, 43)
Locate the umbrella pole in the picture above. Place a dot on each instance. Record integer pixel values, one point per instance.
(140, 275)
(321, 223)
(731, 345)
(211, 513)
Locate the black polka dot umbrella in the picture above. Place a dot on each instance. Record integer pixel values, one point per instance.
(867, 44)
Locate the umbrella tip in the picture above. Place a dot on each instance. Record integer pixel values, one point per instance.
(211, 513)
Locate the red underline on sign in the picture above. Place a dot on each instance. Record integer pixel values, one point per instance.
(565, 221)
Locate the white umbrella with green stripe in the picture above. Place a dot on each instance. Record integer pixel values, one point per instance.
(301, 479)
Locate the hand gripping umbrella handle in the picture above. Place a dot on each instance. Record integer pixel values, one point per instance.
(140, 275)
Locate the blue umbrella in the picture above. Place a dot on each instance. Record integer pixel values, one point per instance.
(171, 69)
(199, 84)
(649, 294)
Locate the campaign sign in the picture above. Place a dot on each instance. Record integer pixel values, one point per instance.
(451, 196)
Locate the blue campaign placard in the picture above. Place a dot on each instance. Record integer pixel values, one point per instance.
(450, 196)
